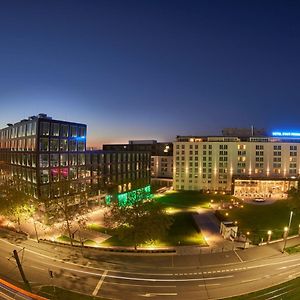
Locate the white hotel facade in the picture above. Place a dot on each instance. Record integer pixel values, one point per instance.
(242, 165)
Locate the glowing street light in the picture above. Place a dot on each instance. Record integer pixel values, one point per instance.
(269, 236)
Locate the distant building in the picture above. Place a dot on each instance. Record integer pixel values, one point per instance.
(45, 154)
(161, 155)
(246, 165)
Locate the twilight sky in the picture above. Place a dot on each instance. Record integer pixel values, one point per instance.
(151, 69)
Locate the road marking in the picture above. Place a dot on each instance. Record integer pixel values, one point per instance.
(38, 268)
(99, 284)
(250, 280)
(238, 256)
(211, 284)
(158, 294)
(141, 285)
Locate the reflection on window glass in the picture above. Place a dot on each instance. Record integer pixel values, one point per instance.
(55, 129)
(44, 161)
(44, 144)
(44, 128)
(54, 145)
(28, 130)
(63, 145)
(64, 130)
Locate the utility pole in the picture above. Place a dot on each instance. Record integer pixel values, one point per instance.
(16, 256)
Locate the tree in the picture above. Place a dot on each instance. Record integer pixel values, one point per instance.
(14, 203)
(139, 222)
(69, 208)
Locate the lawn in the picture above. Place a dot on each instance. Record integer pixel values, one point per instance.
(289, 290)
(56, 293)
(258, 219)
(189, 199)
(182, 232)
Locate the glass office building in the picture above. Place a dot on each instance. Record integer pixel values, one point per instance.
(48, 158)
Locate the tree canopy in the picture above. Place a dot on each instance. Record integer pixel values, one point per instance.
(140, 222)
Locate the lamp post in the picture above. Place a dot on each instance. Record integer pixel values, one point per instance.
(269, 236)
(286, 231)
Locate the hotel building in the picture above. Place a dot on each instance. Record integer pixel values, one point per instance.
(242, 162)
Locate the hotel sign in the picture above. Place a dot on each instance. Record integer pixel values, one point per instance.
(286, 134)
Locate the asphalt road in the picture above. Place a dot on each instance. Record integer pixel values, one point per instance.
(206, 276)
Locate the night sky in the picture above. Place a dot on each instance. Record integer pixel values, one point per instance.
(151, 69)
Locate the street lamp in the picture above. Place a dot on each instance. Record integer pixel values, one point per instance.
(269, 236)
(286, 231)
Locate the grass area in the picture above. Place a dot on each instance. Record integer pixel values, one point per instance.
(189, 199)
(293, 249)
(56, 293)
(258, 219)
(182, 232)
(66, 239)
(289, 290)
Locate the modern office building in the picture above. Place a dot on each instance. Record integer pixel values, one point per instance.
(161, 155)
(48, 158)
(250, 164)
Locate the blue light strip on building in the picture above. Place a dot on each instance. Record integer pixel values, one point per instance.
(286, 134)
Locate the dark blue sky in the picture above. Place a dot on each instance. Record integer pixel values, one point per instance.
(151, 69)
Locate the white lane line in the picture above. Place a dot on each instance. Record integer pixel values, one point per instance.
(38, 268)
(250, 280)
(238, 256)
(211, 284)
(157, 294)
(141, 285)
(99, 284)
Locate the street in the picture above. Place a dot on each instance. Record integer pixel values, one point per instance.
(206, 276)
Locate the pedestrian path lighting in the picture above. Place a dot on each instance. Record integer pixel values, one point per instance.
(269, 236)
(299, 230)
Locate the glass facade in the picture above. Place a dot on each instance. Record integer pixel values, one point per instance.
(43, 153)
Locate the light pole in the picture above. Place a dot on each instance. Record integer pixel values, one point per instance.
(269, 236)
(286, 231)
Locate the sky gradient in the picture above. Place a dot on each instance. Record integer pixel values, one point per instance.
(151, 69)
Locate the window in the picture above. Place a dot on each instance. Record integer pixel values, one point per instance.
(44, 128)
(64, 130)
(72, 145)
(54, 145)
(55, 129)
(44, 144)
(63, 145)
(54, 160)
(73, 131)
(81, 146)
(55, 175)
(44, 176)
(44, 161)
(64, 160)
(81, 159)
